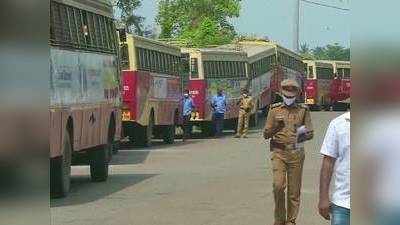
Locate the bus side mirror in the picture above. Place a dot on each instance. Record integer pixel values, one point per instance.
(122, 35)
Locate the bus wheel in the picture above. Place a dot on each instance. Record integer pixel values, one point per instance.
(61, 170)
(128, 130)
(169, 134)
(99, 160)
(149, 131)
(143, 135)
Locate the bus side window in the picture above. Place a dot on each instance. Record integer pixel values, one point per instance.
(310, 72)
(194, 68)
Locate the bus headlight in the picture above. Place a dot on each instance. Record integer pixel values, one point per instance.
(126, 115)
(310, 101)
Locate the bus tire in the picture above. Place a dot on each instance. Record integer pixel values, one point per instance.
(99, 160)
(60, 173)
(128, 129)
(169, 134)
(144, 134)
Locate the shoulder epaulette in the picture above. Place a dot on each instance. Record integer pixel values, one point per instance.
(276, 105)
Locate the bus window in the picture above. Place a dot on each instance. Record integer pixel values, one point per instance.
(324, 73)
(125, 57)
(194, 68)
(310, 72)
(242, 69)
(184, 62)
(346, 73)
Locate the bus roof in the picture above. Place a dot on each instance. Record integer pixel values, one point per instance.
(147, 43)
(101, 7)
(319, 63)
(216, 54)
(255, 50)
(343, 64)
(329, 63)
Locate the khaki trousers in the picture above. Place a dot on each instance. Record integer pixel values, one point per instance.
(287, 167)
(243, 123)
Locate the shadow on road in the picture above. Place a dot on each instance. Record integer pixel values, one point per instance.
(129, 154)
(125, 157)
(84, 191)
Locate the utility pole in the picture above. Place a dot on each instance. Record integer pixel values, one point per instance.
(296, 30)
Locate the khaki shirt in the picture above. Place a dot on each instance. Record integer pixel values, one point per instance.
(246, 103)
(293, 117)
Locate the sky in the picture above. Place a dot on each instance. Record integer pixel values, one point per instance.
(275, 18)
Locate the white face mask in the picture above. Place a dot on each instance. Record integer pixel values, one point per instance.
(289, 101)
(245, 95)
(186, 95)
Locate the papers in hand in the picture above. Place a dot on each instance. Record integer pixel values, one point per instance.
(301, 130)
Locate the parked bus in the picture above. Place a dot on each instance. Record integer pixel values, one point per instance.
(289, 66)
(84, 89)
(268, 65)
(320, 75)
(261, 59)
(259, 65)
(210, 69)
(341, 85)
(151, 90)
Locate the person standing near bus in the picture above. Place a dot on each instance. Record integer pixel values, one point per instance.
(288, 125)
(188, 108)
(218, 104)
(245, 106)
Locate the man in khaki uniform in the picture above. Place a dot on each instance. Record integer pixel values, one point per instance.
(288, 125)
(246, 105)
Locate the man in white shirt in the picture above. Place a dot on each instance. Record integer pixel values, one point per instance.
(336, 160)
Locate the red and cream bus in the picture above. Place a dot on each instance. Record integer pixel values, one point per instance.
(319, 81)
(151, 90)
(258, 65)
(211, 69)
(84, 89)
(268, 65)
(341, 85)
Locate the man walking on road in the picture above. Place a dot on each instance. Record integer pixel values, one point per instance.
(336, 152)
(188, 108)
(245, 107)
(288, 125)
(218, 104)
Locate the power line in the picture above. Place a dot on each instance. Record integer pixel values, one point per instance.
(325, 5)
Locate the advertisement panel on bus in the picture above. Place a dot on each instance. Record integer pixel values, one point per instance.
(151, 90)
(84, 85)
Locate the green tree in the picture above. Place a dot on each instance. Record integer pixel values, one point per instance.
(132, 22)
(328, 52)
(305, 51)
(198, 22)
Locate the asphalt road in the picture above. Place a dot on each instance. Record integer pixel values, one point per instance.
(223, 181)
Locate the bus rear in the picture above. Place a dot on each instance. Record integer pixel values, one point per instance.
(211, 69)
(311, 86)
(151, 90)
(341, 86)
(318, 88)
